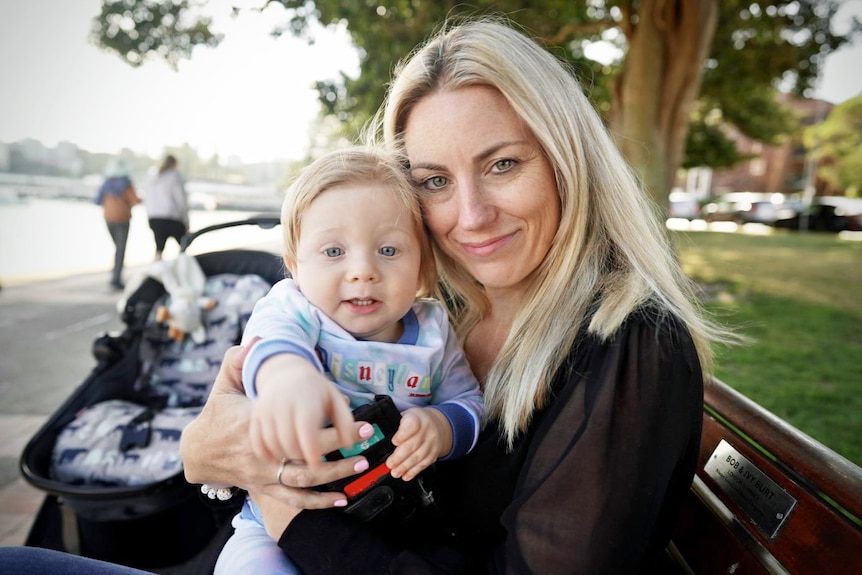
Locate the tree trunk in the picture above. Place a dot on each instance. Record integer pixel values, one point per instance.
(658, 86)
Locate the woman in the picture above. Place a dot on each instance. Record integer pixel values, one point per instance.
(167, 205)
(575, 317)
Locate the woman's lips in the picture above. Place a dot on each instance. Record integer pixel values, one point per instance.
(486, 248)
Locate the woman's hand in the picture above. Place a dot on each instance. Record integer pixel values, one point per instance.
(216, 448)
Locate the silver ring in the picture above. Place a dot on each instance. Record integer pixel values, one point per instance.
(280, 471)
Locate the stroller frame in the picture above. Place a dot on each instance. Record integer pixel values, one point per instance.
(167, 526)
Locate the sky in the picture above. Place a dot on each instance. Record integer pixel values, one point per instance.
(251, 97)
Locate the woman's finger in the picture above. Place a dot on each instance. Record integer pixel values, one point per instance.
(297, 474)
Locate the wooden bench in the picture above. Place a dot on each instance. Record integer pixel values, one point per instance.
(766, 498)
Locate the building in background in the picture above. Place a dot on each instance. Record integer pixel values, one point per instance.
(774, 169)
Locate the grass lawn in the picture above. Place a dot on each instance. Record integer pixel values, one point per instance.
(799, 297)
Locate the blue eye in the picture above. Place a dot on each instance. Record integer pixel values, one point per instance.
(388, 251)
(333, 252)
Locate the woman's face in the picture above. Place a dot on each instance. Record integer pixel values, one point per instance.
(488, 192)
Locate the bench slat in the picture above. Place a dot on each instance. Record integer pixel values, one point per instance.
(815, 464)
(716, 535)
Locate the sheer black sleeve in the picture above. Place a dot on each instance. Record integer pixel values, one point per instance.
(613, 457)
(607, 465)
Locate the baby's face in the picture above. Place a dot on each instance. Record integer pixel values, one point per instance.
(358, 259)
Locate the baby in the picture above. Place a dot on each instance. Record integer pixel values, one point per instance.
(354, 310)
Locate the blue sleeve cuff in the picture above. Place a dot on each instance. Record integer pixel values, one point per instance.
(465, 429)
(264, 350)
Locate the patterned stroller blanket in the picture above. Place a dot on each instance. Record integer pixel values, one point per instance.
(124, 443)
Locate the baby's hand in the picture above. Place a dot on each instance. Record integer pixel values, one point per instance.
(290, 412)
(424, 435)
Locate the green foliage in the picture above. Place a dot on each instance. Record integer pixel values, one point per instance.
(140, 29)
(757, 44)
(795, 295)
(837, 146)
(760, 42)
(385, 32)
(708, 145)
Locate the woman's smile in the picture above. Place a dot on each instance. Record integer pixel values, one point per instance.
(487, 248)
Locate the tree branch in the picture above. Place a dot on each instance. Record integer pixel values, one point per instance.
(569, 31)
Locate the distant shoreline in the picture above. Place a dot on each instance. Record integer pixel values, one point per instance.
(44, 239)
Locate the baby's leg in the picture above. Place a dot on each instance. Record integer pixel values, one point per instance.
(251, 550)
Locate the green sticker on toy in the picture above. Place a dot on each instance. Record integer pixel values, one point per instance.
(360, 447)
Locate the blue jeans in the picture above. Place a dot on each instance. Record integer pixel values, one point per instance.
(251, 550)
(30, 560)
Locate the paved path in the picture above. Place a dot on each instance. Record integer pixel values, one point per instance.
(46, 332)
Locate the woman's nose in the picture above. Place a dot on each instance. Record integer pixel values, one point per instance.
(475, 208)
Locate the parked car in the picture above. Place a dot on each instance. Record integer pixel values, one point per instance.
(826, 214)
(747, 207)
(682, 205)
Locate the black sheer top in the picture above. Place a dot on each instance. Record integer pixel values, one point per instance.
(593, 486)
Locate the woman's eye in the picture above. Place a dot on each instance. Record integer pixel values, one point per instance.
(333, 252)
(388, 251)
(504, 165)
(435, 183)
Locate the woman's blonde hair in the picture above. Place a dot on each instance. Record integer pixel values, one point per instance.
(356, 166)
(611, 253)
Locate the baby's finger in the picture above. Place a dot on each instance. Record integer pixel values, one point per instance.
(399, 460)
(407, 428)
(412, 467)
(263, 443)
(330, 440)
(342, 420)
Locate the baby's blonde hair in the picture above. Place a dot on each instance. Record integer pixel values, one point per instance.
(357, 165)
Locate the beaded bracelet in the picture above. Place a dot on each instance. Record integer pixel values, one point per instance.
(220, 493)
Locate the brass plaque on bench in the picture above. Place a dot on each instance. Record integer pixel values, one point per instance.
(764, 501)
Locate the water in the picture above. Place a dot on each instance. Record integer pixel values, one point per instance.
(42, 239)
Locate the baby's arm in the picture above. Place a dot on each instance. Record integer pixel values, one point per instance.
(424, 436)
(294, 401)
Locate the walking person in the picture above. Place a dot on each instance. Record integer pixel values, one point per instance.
(117, 195)
(167, 205)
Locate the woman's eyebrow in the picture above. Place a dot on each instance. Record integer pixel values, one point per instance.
(483, 155)
(426, 166)
(496, 148)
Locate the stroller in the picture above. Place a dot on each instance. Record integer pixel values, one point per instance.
(130, 503)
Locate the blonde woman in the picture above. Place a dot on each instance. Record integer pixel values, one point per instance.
(575, 316)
